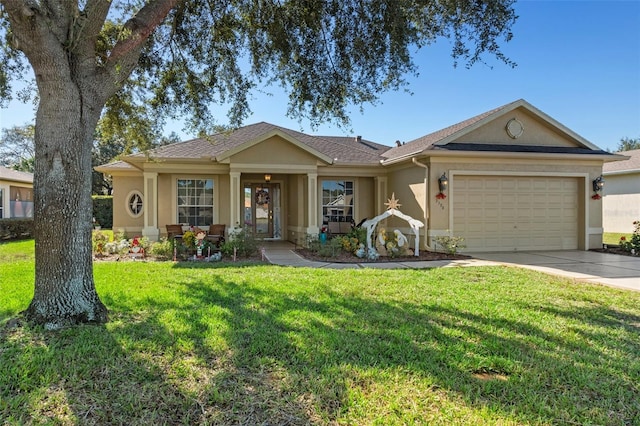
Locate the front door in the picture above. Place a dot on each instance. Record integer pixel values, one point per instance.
(262, 209)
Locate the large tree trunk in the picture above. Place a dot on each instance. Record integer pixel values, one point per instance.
(74, 82)
(66, 120)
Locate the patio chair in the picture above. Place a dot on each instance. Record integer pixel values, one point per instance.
(174, 231)
(216, 234)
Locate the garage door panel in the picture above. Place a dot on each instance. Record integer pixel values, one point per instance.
(516, 213)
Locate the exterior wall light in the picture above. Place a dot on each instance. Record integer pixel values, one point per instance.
(598, 184)
(267, 177)
(443, 182)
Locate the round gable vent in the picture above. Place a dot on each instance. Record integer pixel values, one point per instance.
(514, 128)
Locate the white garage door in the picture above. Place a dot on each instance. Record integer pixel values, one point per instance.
(507, 213)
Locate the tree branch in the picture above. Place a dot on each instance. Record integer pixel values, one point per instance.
(124, 55)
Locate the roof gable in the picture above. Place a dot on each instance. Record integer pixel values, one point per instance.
(487, 131)
(268, 134)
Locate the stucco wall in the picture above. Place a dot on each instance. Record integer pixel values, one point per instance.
(123, 185)
(535, 132)
(408, 188)
(9, 191)
(277, 150)
(364, 204)
(407, 184)
(621, 202)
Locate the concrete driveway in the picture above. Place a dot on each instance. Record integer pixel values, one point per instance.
(605, 268)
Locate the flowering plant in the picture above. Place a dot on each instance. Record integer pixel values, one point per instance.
(632, 245)
(441, 196)
(596, 196)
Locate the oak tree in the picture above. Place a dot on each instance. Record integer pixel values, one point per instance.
(168, 58)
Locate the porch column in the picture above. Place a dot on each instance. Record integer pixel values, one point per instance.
(150, 210)
(234, 200)
(380, 195)
(312, 204)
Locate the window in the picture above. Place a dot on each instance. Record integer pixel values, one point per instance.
(135, 204)
(195, 201)
(20, 201)
(337, 201)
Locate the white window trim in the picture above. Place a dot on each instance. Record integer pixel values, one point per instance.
(126, 203)
(323, 179)
(174, 195)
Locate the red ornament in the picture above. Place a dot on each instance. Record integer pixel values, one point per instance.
(596, 196)
(441, 196)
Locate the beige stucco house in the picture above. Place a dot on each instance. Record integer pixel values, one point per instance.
(517, 180)
(16, 193)
(621, 202)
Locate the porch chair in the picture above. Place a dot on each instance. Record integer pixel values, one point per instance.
(174, 232)
(216, 234)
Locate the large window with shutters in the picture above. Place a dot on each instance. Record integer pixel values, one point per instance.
(195, 201)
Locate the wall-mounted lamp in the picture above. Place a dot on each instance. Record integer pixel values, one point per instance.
(598, 184)
(267, 177)
(443, 182)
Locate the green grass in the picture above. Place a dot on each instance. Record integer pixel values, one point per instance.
(271, 345)
(613, 238)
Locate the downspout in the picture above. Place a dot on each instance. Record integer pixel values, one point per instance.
(426, 200)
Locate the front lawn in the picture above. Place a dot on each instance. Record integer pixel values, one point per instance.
(613, 238)
(213, 344)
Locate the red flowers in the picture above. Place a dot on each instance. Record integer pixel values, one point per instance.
(596, 197)
(441, 196)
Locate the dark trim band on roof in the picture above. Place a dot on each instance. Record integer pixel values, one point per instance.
(519, 148)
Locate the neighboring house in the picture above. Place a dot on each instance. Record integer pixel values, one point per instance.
(621, 201)
(517, 180)
(16, 193)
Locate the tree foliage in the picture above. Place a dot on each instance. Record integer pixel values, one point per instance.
(16, 148)
(628, 144)
(138, 63)
(328, 54)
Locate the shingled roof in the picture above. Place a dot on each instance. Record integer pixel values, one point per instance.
(15, 176)
(341, 149)
(625, 166)
(355, 150)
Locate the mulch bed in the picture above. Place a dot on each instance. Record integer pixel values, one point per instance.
(344, 257)
(614, 250)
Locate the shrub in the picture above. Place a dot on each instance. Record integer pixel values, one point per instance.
(189, 240)
(16, 228)
(162, 249)
(99, 242)
(450, 244)
(351, 242)
(632, 245)
(103, 210)
(243, 242)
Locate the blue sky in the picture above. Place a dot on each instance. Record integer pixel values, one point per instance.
(578, 61)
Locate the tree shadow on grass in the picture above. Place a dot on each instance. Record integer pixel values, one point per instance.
(231, 352)
(312, 349)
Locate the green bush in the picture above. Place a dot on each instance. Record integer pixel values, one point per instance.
(330, 248)
(16, 228)
(632, 245)
(450, 244)
(99, 241)
(103, 210)
(162, 249)
(243, 242)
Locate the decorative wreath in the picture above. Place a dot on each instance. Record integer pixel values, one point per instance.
(262, 197)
